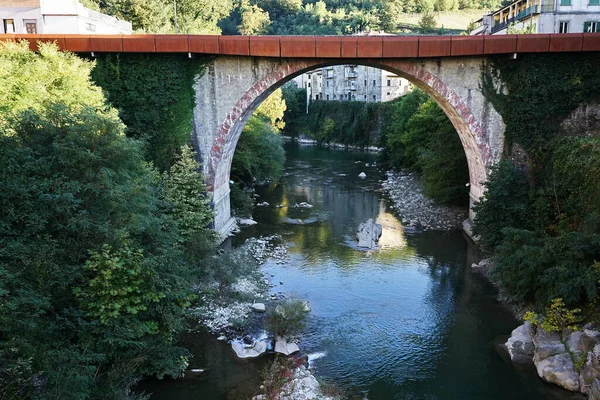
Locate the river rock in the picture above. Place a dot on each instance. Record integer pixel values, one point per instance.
(520, 344)
(246, 221)
(258, 307)
(559, 369)
(594, 391)
(255, 350)
(362, 175)
(547, 344)
(368, 234)
(283, 347)
(263, 204)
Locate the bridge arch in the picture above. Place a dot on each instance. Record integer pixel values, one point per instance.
(452, 83)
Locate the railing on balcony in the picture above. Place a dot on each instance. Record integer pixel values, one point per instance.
(525, 13)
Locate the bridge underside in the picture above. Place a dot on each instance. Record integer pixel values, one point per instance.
(233, 87)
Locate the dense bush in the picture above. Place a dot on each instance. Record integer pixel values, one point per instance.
(287, 319)
(544, 226)
(94, 279)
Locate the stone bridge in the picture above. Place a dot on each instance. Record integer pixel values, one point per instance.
(245, 70)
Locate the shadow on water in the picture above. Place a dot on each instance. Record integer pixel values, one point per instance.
(407, 321)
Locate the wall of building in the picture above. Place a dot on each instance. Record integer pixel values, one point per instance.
(59, 16)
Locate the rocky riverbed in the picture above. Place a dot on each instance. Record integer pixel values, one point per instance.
(417, 210)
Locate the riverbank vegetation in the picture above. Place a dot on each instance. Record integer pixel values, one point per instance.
(259, 154)
(98, 250)
(540, 213)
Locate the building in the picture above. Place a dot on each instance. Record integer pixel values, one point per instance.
(352, 83)
(542, 16)
(57, 16)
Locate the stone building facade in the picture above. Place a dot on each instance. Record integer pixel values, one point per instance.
(542, 16)
(352, 83)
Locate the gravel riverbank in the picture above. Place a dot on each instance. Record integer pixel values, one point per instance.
(417, 210)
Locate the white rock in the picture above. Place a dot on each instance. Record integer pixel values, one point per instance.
(196, 370)
(246, 221)
(362, 175)
(222, 338)
(263, 204)
(520, 344)
(283, 347)
(255, 350)
(258, 307)
(559, 369)
(368, 234)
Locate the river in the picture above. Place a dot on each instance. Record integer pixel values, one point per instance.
(407, 321)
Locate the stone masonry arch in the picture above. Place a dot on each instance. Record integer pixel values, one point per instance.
(233, 87)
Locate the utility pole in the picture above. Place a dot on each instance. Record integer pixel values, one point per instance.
(175, 15)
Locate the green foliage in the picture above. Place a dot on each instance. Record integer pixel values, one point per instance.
(546, 228)
(295, 100)
(540, 92)
(427, 22)
(155, 97)
(259, 154)
(272, 110)
(287, 319)
(558, 317)
(532, 317)
(242, 202)
(254, 21)
(418, 135)
(185, 191)
(158, 16)
(346, 122)
(505, 203)
(119, 285)
(94, 281)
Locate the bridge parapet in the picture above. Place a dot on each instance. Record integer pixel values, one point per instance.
(321, 46)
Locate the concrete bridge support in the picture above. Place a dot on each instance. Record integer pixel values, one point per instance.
(233, 87)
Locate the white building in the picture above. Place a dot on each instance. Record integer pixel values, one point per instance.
(542, 16)
(352, 83)
(57, 17)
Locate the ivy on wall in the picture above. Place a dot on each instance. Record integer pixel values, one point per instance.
(155, 97)
(538, 91)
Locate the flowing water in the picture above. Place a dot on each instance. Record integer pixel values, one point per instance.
(407, 321)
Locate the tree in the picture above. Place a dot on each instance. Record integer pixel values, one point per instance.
(254, 21)
(272, 109)
(427, 22)
(94, 282)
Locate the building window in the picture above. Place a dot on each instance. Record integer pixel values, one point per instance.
(374, 83)
(563, 27)
(365, 83)
(565, 2)
(9, 26)
(389, 82)
(90, 27)
(308, 84)
(388, 93)
(374, 98)
(316, 97)
(327, 83)
(365, 96)
(308, 76)
(594, 3)
(327, 97)
(334, 96)
(349, 95)
(591, 26)
(30, 26)
(329, 73)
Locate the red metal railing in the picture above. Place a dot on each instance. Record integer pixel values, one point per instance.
(321, 46)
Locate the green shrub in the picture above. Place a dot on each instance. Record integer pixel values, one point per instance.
(288, 318)
(505, 204)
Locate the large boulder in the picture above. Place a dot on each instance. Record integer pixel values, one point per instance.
(547, 344)
(368, 234)
(283, 347)
(520, 344)
(243, 350)
(591, 372)
(559, 369)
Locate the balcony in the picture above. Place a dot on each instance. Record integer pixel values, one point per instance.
(520, 16)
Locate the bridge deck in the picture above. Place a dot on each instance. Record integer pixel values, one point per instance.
(321, 46)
